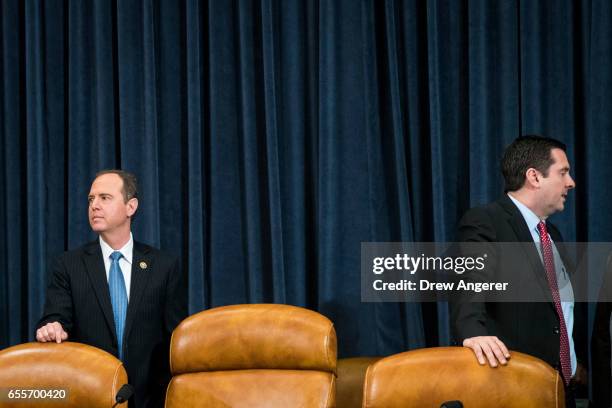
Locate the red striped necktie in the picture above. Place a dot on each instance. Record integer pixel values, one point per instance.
(549, 265)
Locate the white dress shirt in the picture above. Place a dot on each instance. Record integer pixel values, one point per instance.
(125, 263)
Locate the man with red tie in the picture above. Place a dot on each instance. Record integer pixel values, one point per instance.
(537, 181)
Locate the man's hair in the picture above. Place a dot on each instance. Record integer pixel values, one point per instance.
(527, 152)
(130, 183)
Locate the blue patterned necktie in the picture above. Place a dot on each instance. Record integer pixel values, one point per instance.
(119, 299)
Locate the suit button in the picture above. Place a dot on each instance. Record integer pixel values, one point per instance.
(556, 330)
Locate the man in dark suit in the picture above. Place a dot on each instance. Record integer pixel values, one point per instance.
(537, 181)
(117, 294)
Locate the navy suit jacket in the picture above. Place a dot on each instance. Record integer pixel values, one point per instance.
(78, 297)
(528, 327)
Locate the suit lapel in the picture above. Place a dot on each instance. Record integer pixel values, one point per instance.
(141, 270)
(94, 265)
(518, 224)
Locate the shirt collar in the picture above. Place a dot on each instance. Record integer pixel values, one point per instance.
(531, 219)
(126, 250)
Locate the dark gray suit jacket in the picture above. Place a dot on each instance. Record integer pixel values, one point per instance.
(528, 327)
(78, 297)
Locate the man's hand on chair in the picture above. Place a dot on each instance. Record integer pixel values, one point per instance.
(490, 347)
(51, 332)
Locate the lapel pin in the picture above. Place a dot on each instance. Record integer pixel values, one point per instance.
(143, 265)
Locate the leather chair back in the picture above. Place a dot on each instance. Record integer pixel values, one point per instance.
(426, 378)
(90, 377)
(259, 355)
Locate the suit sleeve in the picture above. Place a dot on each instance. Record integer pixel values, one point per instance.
(468, 311)
(176, 298)
(58, 302)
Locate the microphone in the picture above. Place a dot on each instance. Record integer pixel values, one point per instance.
(125, 393)
(452, 404)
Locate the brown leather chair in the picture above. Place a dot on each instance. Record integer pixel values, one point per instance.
(90, 377)
(351, 376)
(426, 378)
(260, 355)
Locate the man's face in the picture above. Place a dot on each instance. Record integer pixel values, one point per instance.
(554, 188)
(108, 212)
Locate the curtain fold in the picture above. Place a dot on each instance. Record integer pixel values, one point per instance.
(13, 243)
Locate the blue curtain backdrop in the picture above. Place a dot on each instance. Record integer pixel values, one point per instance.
(272, 137)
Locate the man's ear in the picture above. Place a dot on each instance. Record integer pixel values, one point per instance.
(132, 206)
(532, 177)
